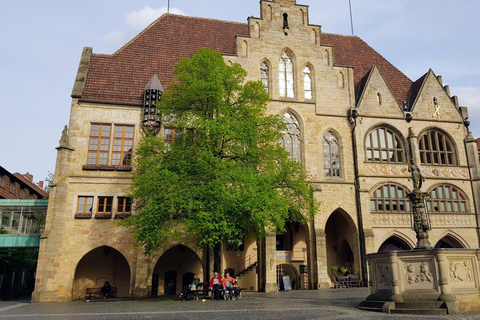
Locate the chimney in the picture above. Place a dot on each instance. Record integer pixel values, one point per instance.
(28, 176)
(40, 184)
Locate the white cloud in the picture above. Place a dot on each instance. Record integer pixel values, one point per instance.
(115, 39)
(140, 19)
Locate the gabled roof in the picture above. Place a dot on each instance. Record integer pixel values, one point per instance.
(351, 51)
(120, 78)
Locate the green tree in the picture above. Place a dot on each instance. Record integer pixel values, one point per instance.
(225, 173)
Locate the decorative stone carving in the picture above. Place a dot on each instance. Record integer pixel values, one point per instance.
(384, 276)
(422, 275)
(439, 220)
(461, 271)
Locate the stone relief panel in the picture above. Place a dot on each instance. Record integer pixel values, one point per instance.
(439, 220)
(384, 276)
(418, 275)
(461, 274)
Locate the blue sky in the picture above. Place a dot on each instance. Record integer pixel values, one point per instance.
(42, 42)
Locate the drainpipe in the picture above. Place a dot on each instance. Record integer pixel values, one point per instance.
(352, 117)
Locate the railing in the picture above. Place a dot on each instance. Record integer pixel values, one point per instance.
(247, 262)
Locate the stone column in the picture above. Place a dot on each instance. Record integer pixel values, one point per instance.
(397, 297)
(443, 275)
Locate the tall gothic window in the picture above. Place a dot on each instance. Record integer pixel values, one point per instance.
(446, 199)
(264, 72)
(331, 156)
(286, 76)
(291, 136)
(384, 145)
(436, 149)
(307, 83)
(390, 198)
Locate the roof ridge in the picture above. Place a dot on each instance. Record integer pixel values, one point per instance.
(162, 17)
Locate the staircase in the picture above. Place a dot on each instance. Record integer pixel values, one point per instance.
(407, 307)
(247, 270)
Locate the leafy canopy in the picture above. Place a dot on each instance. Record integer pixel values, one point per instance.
(226, 173)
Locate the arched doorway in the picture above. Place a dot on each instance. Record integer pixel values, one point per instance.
(291, 272)
(341, 244)
(448, 242)
(175, 269)
(394, 243)
(100, 265)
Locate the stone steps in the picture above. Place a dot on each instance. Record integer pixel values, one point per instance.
(408, 307)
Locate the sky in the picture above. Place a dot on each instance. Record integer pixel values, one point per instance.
(42, 41)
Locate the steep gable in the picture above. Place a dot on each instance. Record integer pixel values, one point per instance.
(376, 97)
(433, 102)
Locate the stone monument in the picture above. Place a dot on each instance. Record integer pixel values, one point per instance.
(424, 280)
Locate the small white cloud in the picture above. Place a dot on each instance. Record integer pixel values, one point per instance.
(139, 20)
(114, 40)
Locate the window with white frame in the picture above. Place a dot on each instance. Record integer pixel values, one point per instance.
(331, 155)
(307, 83)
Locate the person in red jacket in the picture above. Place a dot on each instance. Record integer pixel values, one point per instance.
(215, 285)
(228, 286)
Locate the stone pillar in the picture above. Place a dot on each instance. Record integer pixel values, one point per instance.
(312, 257)
(322, 263)
(443, 270)
(271, 263)
(397, 296)
(143, 277)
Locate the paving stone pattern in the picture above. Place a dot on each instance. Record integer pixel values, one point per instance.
(313, 304)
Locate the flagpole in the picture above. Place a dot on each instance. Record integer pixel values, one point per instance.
(351, 18)
(168, 7)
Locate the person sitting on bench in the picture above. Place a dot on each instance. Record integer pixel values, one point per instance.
(215, 285)
(228, 286)
(192, 286)
(106, 290)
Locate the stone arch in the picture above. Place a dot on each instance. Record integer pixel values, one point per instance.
(395, 241)
(449, 239)
(174, 269)
(314, 38)
(303, 15)
(101, 264)
(326, 57)
(342, 245)
(287, 269)
(256, 30)
(341, 80)
(268, 12)
(244, 48)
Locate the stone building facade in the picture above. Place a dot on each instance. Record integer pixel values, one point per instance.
(354, 121)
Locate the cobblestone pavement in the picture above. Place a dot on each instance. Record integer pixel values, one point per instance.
(316, 304)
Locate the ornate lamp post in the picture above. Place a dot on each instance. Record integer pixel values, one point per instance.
(421, 221)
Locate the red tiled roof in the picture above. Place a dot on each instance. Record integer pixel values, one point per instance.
(121, 77)
(351, 51)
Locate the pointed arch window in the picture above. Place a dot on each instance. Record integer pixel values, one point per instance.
(390, 198)
(286, 76)
(446, 199)
(331, 156)
(264, 75)
(436, 149)
(385, 146)
(291, 136)
(307, 83)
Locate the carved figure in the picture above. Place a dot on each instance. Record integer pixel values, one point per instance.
(424, 275)
(460, 271)
(64, 139)
(410, 276)
(417, 177)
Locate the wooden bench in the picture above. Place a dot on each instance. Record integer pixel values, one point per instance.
(201, 288)
(97, 293)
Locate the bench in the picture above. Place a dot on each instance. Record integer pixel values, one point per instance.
(347, 284)
(97, 293)
(201, 288)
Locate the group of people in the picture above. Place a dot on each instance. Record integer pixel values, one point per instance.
(227, 284)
